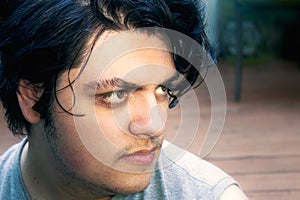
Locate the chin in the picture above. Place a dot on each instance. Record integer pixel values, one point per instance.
(133, 189)
(133, 184)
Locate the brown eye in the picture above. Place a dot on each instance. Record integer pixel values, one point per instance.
(161, 90)
(161, 93)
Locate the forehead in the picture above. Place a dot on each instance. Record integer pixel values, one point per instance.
(132, 56)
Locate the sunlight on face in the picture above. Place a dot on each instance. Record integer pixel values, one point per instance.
(122, 95)
(126, 102)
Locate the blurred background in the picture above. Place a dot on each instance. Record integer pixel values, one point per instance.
(260, 142)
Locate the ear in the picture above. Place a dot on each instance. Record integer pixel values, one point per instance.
(28, 95)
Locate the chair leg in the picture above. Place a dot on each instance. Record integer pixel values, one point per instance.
(239, 53)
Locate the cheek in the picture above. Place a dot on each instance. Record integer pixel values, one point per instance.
(114, 126)
(73, 135)
(90, 139)
(83, 154)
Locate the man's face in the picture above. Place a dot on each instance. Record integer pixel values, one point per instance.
(122, 100)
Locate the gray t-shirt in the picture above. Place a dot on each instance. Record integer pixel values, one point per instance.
(178, 175)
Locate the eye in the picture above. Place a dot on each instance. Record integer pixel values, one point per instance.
(168, 93)
(112, 99)
(161, 92)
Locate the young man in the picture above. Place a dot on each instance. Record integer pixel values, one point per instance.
(89, 84)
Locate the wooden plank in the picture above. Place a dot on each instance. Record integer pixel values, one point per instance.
(270, 143)
(269, 182)
(259, 165)
(254, 141)
(274, 195)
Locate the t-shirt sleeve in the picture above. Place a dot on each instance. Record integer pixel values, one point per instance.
(11, 182)
(203, 175)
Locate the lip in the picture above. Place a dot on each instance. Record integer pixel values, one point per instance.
(141, 157)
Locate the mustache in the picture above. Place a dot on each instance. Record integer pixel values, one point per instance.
(142, 143)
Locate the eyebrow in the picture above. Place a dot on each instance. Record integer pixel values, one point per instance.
(111, 83)
(118, 82)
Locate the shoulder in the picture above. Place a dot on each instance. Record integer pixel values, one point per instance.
(9, 158)
(233, 193)
(193, 165)
(11, 184)
(197, 178)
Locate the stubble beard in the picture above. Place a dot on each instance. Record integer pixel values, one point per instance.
(76, 185)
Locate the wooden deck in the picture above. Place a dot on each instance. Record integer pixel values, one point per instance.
(260, 143)
(262, 135)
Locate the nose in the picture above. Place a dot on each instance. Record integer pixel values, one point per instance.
(147, 117)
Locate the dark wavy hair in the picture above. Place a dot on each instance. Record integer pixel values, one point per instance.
(40, 39)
